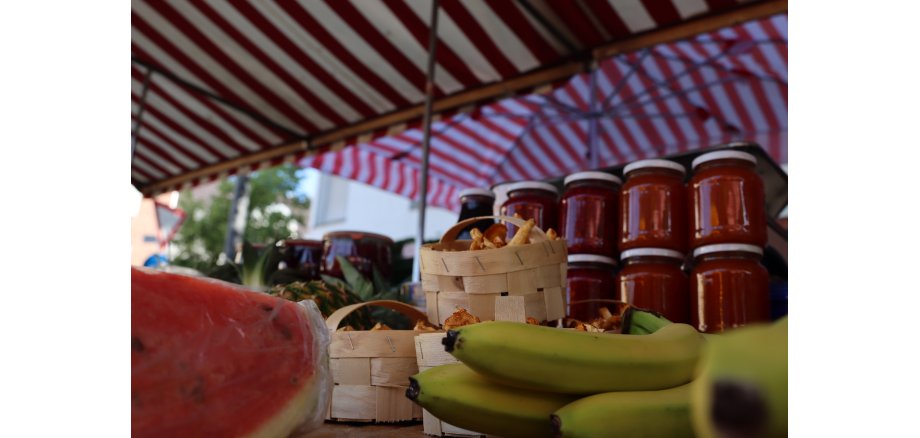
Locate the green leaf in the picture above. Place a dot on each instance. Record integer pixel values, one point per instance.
(380, 284)
(356, 281)
(335, 281)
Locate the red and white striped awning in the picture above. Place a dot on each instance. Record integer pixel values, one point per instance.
(715, 88)
(220, 87)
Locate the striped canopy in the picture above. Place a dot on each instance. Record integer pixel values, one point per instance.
(716, 88)
(222, 87)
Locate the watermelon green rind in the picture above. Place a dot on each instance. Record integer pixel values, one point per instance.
(210, 358)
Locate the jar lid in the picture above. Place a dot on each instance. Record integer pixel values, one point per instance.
(600, 176)
(722, 155)
(535, 185)
(726, 247)
(476, 191)
(591, 258)
(655, 252)
(664, 164)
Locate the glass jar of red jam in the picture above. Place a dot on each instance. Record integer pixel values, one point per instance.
(729, 287)
(652, 278)
(588, 213)
(475, 202)
(302, 255)
(535, 200)
(726, 196)
(653, 206)
(589, 277)
(366, 251)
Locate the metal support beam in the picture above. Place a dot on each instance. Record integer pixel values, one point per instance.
(593, 120)
(236, 222)
(140, 113)
(426, 142)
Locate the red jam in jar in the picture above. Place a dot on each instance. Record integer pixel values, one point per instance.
(475, 202)
(729, 287)
(652, 278)
(588, 213)
(535, 200)
(589, 277)
(653, 206)
(727, 198)
(303, 256)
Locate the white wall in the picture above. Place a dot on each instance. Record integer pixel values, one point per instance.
(371, 209)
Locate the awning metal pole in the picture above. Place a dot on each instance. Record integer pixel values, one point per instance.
(426, 142)
(140, 113)
(593, 120)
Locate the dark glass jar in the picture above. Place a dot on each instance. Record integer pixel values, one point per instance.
(304, 256)
(727, 199)
(475, 202)
(653, 206)
(652, 278)
(363, 250)
(729, 287)
(589, 277)
(588, 213)
(535, 200)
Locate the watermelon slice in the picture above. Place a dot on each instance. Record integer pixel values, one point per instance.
(213, 359)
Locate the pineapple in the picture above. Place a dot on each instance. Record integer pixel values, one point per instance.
(328, 296)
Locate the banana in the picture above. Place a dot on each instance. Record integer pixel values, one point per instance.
(637, 321)
(664, 413)
(571, 362)
(742, 384)
(457, 395)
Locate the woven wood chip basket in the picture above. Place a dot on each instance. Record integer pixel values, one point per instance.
(371, 369)
(504, 284)
(430, 353)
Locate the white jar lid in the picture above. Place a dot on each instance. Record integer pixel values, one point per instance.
(722, 155)
(591, 258)
(600, 176)
(664, 164)
(536, 185)
(726, 247)
(476, 191)
(653, 252)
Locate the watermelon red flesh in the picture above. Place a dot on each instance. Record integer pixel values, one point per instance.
(211, 359)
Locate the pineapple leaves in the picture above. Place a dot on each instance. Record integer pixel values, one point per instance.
(356, 282)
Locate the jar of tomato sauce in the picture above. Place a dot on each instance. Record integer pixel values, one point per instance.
(727, 199)
(653, 206)
(475, 202)
(535, 200)
(729, 287)
(588, 213)
(652, 278)
(589, 277)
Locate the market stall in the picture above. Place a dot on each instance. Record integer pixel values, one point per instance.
(609, 135)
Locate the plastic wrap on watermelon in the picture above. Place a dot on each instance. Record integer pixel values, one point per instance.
(210, 358)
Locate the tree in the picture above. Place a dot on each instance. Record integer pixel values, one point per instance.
(276, 208)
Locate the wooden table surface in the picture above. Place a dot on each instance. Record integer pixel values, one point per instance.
(390, 430)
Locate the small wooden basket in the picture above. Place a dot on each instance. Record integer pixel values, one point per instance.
(430, 353)
(505, 284)
(371, 369)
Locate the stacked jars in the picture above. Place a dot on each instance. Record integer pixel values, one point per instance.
(728, 231)
(587, 221)
(653, 238)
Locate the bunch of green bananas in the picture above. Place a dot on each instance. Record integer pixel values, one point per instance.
(525, 380)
